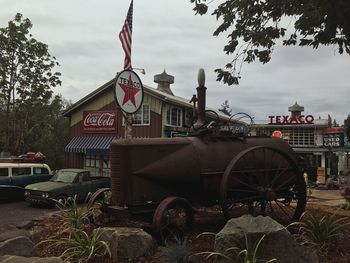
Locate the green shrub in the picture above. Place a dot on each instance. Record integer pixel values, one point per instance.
(317, 232)
(72, 216)
(81, 246)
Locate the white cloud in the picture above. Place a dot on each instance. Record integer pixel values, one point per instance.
(83, 35)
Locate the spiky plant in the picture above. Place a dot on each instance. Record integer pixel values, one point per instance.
(72, 216)
(81, 246)
(319, 232)
(240, 253)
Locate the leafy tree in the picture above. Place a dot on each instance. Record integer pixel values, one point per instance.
(347, 127)
(29, 112)
(43, 128)
(26, 79)
(253, 26)
(335, 123)
(225, 108)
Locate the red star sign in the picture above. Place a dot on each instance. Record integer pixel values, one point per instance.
(129, 92)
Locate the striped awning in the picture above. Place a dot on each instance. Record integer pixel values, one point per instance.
(89, 144)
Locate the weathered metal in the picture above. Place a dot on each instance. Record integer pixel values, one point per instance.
(245, 174)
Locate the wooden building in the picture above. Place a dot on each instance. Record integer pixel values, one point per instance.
(96, 120)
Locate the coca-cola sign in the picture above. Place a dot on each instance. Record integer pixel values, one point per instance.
(100, 121)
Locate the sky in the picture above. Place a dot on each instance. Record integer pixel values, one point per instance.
(83, 36)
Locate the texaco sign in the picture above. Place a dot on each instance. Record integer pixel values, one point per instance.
(128, 91)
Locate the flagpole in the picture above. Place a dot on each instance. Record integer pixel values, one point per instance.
(125, 37)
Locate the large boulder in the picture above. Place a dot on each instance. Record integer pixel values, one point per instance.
(10, 231)
(17, 259)
(19, 246)
(277, 244)
(127, 243)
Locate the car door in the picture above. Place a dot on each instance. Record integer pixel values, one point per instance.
(5, 183)
(5, 178)
(82, 186)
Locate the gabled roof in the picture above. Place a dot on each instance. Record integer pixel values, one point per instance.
(148, 90)
(87, 98)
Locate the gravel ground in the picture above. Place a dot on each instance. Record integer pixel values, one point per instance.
(16, 213)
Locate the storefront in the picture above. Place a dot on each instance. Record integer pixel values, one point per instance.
(304, 133)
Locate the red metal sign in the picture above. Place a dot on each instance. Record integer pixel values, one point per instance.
(277, 134)
(99, 121)
(128, 91)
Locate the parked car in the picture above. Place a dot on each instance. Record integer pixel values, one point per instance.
(63, 184)
(15, 176)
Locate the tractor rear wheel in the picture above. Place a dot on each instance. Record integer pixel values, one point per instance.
(263, 181)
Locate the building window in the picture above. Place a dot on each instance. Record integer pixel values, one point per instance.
(97, 165)
(296, 137)
(142, 116)
(174, 116)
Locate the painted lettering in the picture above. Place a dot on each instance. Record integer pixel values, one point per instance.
(278, 119)
(309, 119)
(286, 119)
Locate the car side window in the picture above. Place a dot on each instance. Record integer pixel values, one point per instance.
(40, 170)
(4, 171)
(83, 177)
(21, 171)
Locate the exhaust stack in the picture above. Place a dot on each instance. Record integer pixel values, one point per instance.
(201, 90)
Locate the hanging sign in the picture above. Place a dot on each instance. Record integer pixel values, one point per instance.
(128, 91)
(333, 140)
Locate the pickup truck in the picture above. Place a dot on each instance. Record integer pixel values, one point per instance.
(63, 184)
(15, 176)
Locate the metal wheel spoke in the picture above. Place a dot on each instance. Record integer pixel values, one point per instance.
(244, 183)
(283, 184)
(243, 199)
(233, 206)
(246, 162)
(272, 210)
(277, 175)
(241, 190)
(281, 207)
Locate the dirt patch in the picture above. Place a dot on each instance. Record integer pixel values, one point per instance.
(208, 220)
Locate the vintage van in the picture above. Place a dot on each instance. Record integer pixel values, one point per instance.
(14, 176)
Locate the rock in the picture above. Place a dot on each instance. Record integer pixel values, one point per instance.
(278, 242)
(7, 227)
(127, 243)
(26, 224)
(10, 231)
(19, 246)
(17, 259)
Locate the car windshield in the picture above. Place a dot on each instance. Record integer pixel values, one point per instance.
(64, 176)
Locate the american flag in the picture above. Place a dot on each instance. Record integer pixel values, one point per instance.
(125, 37)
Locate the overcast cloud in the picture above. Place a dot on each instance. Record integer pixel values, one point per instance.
(83, 35)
